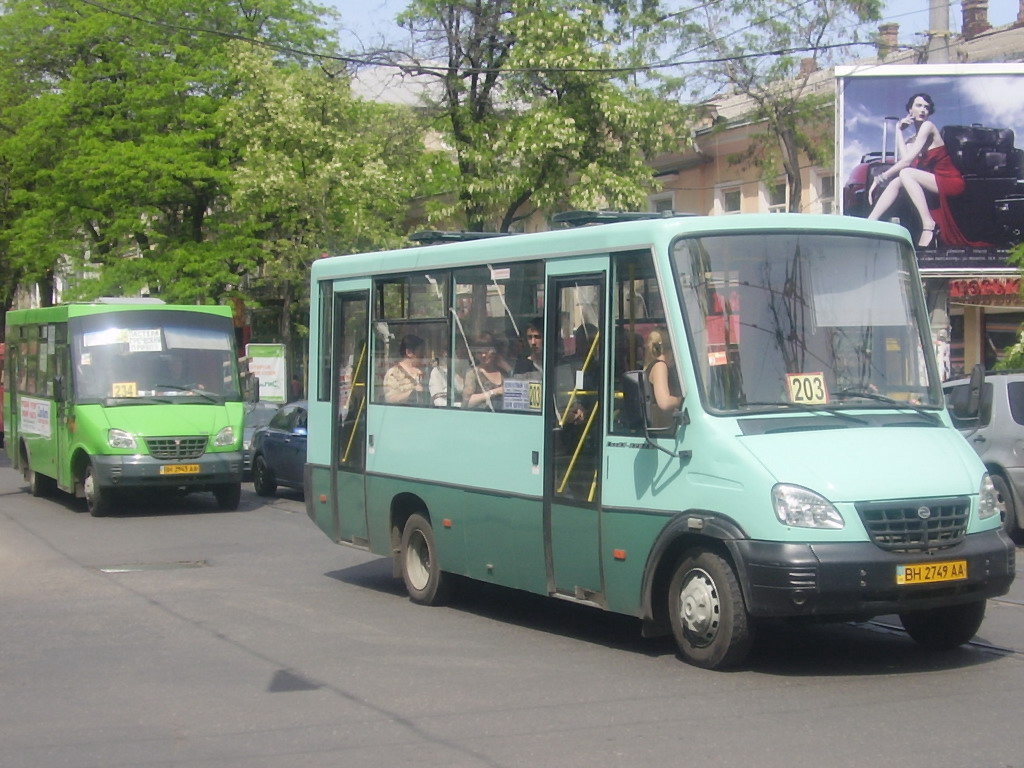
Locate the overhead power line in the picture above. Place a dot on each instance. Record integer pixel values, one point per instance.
(365, 61)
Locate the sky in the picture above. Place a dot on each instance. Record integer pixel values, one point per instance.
(366, 21)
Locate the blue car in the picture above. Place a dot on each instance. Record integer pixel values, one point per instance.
(256, 415)
(279, 450)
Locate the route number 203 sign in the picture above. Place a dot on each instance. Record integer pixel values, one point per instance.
(807, 388)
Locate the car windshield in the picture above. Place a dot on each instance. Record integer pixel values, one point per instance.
(788, 320)
(137, 357)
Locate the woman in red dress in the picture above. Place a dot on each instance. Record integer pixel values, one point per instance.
(923, 165)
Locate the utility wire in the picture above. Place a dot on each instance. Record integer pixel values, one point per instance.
(437, 70)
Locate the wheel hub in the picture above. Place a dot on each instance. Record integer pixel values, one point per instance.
(700, 607)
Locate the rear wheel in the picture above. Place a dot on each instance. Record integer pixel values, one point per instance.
(706, 611)
(39, 485)
(942, 629)
(1009, 508)
(263, 481)
(424, 580)
(97, 498)
(228, 495)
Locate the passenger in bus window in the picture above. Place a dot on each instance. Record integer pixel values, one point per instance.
(532, 365)
(438, 382)
(404, 381)
(662, 378)
(485, 382)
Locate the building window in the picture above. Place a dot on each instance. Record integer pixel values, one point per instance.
(824, 185)
(728, 200)
(660, 203)
(776, 197)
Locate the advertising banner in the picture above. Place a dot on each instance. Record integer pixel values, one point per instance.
(937, 148)
(267, 363)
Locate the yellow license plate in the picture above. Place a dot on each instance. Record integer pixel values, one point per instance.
(929, 573)
(179, 469)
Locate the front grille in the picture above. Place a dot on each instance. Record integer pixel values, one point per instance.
(916, 525)
(176, 447)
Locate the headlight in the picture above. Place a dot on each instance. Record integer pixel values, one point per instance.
(118, 438)
(225, 437)
(803, 508)
(988, 499)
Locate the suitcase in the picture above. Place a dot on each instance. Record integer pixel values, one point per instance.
(982, 152)
(1009, 216)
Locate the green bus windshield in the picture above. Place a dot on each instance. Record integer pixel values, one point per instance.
(135, 357)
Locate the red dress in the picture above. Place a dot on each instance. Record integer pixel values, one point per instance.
(951, 184)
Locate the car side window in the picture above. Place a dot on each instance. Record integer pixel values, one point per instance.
(280, 420)
(1015, 394)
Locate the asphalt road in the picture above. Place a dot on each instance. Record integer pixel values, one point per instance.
(179, 635)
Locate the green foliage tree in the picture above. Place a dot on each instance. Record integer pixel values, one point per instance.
(115, 158)
(318, 171)
(768, 51)
(536, 100)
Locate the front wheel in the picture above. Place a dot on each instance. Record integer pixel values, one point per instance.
(424, 580)
(942, 629)
(228, 496)
(706, 611)
(97, 498)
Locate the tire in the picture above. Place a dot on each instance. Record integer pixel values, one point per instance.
(1009, 507)
(39, 485)
(98, 499)
(263, 478)
(424, 580)
(706, 611)
(228, 496)
(943, 629)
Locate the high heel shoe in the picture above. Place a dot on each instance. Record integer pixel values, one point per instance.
(933, 239)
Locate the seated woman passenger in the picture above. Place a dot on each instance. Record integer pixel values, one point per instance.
(404, 381)
(663, 379)
(485, 381)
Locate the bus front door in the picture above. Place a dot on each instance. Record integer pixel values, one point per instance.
(574, 380)
(351, 362)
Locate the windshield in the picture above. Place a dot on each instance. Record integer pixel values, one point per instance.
(166, 354)
(784, 320)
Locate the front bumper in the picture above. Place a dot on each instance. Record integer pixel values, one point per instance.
(858, 580)
(142, 471)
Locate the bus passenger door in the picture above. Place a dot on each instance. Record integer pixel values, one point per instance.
(574, 381)
(351, 362)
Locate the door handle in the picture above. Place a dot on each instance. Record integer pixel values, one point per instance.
(979, 439)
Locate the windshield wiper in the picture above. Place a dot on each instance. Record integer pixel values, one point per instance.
(189, 391)
(880, 398)
(817, 409)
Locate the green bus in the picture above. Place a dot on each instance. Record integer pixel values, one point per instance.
(119, 395)
(708, 423)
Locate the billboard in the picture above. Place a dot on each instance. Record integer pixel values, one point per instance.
(938, 148)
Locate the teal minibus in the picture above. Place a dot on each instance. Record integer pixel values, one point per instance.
(708, 423)
(118, 395)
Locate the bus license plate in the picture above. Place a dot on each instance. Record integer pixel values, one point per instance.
(179, 469)
(929, 573)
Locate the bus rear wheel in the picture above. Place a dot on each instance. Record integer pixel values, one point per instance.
(97, 498)
(39, 485)
(943, 629)
(424, 580)
(706, 611)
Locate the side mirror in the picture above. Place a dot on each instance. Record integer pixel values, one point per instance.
(970, 407)
(250, 387)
